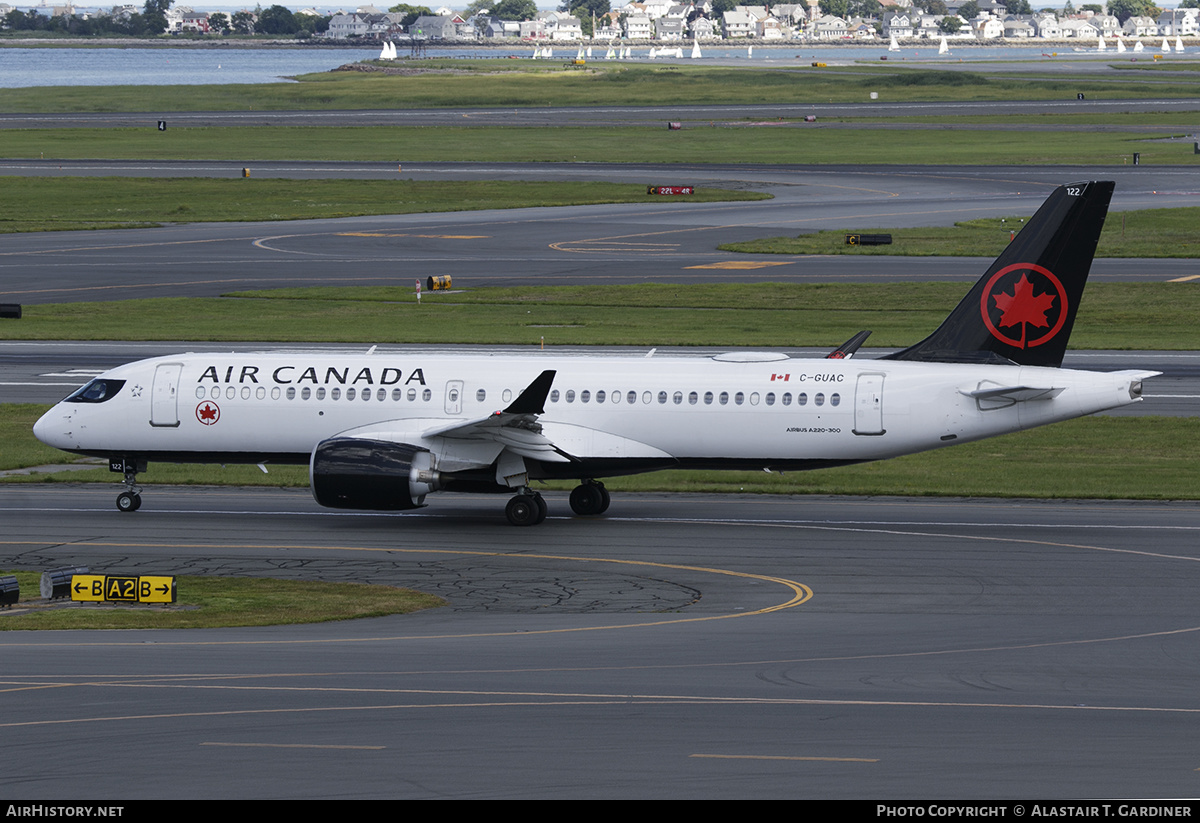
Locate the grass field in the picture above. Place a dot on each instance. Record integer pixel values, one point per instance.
(1112, 316)
(1145, 458)
(53, 203)
(216, 602)
(1147, 233)
(696, 143)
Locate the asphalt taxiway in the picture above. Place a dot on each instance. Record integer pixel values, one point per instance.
(661, 240)
(685, 646)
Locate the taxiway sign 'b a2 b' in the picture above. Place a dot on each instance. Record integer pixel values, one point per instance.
(383, 431)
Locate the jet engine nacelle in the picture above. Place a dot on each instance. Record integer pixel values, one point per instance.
(355, 473)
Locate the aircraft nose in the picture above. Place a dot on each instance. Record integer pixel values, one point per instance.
(49, 428)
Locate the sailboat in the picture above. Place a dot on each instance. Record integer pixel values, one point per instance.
(1178, 43)
(1100, 42)
(610, 54)
(893, 46)
(1120, 45)
(695, 49)
(579, 55)
(750, 51)
(589, 52)
(944, 48)
(652, 53)
(1138, 46)
(1166, 46)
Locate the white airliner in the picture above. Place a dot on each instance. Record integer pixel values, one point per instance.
(382, 431)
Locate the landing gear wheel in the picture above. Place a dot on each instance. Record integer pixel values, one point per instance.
(128, 502)
(543, 509)
(589, 498)
(523, 510)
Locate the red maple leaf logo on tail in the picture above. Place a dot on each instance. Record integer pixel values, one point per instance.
(1024, 307)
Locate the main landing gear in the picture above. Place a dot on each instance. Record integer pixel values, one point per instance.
(589, 498)
(528, 508)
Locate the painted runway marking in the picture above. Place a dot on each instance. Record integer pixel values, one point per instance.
(787, 757)
(740, 264)
(292, 746)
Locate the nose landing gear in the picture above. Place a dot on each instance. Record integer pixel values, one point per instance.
(129, 500)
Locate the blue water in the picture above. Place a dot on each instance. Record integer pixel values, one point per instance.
(24, 67)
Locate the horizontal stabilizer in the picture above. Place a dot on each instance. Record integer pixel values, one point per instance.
(1017, 394)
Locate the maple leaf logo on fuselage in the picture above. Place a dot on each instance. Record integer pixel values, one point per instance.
(1024, 305)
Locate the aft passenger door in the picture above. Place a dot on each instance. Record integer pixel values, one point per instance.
(868, 405)
(164, 395)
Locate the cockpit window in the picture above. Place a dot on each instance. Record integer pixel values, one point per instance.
(96, 392)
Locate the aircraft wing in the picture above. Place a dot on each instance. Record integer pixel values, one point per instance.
(515, 428)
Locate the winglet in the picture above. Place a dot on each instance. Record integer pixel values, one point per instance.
(533, 399)
(1022, 310)
(847, 349)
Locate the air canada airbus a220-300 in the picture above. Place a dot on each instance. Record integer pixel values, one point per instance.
(383, 431)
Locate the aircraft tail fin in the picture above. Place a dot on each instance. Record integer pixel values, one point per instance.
(1022, 310)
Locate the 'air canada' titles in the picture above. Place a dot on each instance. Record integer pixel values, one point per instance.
(316, 375)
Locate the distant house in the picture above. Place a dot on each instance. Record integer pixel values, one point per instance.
(737, 24)
(829, 27)
(433, 27)
(1140, 27)
(639, 27)
(1178, 22)
(897, 24)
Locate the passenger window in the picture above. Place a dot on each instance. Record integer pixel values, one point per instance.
(662, 397)
(412, 395)
(631, 398)
(600, 396)
(770, 398)
(787, 398)
(304, 393)
(754, 398)
(835, 399)
(245, 392)
(230, 393)
(647, 397)
(708, 398)
(585, 396)
(481, 395)
(553, 395)
(570, 395)
(335, 393)
(819, 399)
(426, 395)
(801, 399)
(260, 392)
(215, 393)
(692, 398)
(291, 392)
(275, 392)
(677, 398)
(199, 392)
(724, 398)
(321, 393)
(739, 398)
(349, 394)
